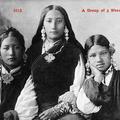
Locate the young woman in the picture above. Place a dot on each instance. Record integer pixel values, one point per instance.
(13, 72)
(101, 90)
(57, 62)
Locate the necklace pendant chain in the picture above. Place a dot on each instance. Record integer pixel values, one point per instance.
(47, 44)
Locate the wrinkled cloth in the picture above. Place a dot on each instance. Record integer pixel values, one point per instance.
(26, 105)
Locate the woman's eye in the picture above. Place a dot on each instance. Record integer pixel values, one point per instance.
(48, 20)
(59, 20)
(93, 55)
(103, 53)
(6, 48)
(17, 47)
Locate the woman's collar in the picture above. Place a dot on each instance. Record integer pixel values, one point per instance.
(109, 70)
(12, 71)
(54, 48)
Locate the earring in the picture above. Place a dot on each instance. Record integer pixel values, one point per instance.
(66, 31)
(88, 71)
(43, 33)
(113, 63)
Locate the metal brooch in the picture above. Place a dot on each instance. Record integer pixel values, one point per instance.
(49, 57)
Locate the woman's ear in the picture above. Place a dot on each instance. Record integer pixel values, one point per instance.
(0, 54)
(112, 49)
(0, 51)
(25, 57)
(88, 59)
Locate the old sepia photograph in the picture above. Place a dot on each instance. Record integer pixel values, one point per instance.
(59, 60)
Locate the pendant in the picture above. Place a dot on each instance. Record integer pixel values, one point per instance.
(7, 78)
(49, 57)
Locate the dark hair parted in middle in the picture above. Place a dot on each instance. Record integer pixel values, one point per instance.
(72, 38)
(98, 40)
(13, 33)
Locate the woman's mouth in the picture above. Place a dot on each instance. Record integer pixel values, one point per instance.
(100, 65)
(12, 59)
(54, 32)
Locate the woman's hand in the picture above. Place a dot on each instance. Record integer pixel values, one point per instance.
(48, 114)
(11, 115)
(68, 97)
(55, 112)
(98, 74)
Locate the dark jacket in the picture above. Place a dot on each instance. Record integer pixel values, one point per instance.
(51, 79)
(11, 91)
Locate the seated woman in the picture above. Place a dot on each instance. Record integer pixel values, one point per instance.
(13, 72)
(100, 92)
(57, 63)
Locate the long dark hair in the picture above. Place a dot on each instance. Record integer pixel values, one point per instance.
(34, 51)
(72, 39)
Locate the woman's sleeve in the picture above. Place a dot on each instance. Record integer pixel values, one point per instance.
(84, 104)
(26, 105)
(94, 91)
(78, 76)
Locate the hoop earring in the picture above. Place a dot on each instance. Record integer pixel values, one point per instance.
(43, 33)
(66, 31)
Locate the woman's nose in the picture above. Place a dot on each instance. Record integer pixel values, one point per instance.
(11, 51)
(53, 25)
(98, 58)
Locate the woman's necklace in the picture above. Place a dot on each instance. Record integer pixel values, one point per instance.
(49, 44)
(46, 46)
(7, 77)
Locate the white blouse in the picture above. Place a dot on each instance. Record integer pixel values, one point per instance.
(26, 105)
